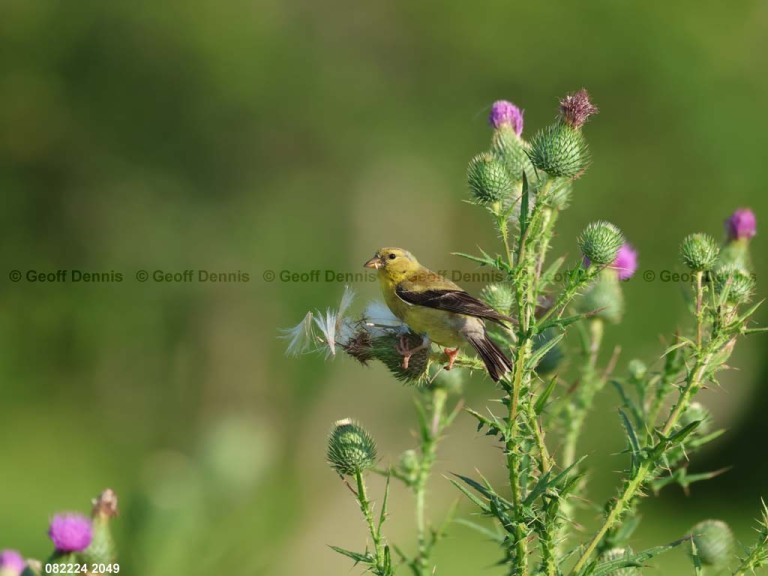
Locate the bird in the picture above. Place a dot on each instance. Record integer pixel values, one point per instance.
(437, 309)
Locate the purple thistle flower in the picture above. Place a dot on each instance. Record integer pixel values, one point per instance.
(504, 113)
(626, 262)
(576, 108)
(11, 563)
(70, 532)
(741, 224)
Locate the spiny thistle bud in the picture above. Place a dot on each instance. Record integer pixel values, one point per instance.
(699, 252)
(505, 114)
(740, 228)
(498, 296)
(385, 349)
(512, 151)
(554, 356)
(616, 554)
(738, 283)
(714, 542)
(560, 150)
(742, 224)
(600, 242)
(11, 563)
(604, 297)
(102, 548)
(637, 369)
(70, 532)
(488, 179)
(409, 465)
(351, 450)
(576, 108)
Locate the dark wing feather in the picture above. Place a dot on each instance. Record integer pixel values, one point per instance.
(451, 301)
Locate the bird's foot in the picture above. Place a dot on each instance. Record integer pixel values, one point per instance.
(407, 352)
(451, 356)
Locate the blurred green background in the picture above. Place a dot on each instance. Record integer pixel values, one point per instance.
(296, 135)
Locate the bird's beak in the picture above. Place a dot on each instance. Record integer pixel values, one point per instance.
(373, 263)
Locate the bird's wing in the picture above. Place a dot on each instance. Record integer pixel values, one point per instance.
(442, 294)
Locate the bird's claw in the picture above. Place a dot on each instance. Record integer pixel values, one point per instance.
(406, 351)
(451, 356)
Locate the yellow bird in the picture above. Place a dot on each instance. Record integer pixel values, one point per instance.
(438, 309)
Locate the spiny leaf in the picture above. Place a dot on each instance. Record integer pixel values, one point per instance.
(365, 558)
(541, 401)
(638, 559)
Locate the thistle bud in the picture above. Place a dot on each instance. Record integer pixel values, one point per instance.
(742, 225)
(604, 297)
(553, 357)
(576, 108)
(600, 243)
(11, 563)
(737, 282)
(625, 262)
(616, 554)
(102, 548)
(351, 450)
(409, 465)
(498, 296)
(385, 349)
(714, 542)
(637, 369)
(504, 114)
(699, 252)
(70, 532)
(512, 151)
(560, 150)
(488, 179)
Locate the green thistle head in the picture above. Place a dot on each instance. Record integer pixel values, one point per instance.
(351, 450)
(714, 542)
(488, 178)
(499, 296)
(384, 348)
(637, 369)
(560, 150)
(616, 554)
(600, 242)
(512, 151)
(699, 252)
(737, 282)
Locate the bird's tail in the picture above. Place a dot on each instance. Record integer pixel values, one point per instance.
(494, 359)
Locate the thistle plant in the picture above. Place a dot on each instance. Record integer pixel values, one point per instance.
(81, 544)
(560, 310)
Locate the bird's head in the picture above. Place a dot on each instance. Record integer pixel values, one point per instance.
(394, 263)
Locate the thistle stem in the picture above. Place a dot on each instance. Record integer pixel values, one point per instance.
(365, 507)
(430, 438)
(646, 467)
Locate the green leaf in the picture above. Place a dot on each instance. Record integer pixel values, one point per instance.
(638, 559)
(541, 401)
(474, 499)
(365, 558)
(634, 443)
(541, 352)
(491, 534)
(524, 206)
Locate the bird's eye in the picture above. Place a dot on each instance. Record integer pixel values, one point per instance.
(392, 256)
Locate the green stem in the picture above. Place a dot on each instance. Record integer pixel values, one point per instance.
(428, 455)
(588, 386)
(365, 507)
(634, 484)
